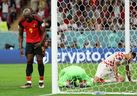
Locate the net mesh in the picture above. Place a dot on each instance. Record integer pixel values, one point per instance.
(88, 32)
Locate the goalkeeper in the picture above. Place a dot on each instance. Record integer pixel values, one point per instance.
(74, 76)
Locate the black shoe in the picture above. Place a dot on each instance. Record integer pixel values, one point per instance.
(27, 85)
(41, 85)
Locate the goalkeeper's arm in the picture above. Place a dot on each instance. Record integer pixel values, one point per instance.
(128, 72)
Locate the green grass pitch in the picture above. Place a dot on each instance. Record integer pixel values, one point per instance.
(12, 76)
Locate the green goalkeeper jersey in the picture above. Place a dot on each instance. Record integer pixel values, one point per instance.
(72, 73)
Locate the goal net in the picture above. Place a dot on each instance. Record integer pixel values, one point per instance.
(88, 31)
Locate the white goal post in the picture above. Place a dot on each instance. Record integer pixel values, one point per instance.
(127, 26)
(54, 46)
(54, 29)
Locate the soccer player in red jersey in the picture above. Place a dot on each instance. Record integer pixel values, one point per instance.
(35, 38)
(109, 67)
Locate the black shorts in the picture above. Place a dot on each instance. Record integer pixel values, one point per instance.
(31, 49)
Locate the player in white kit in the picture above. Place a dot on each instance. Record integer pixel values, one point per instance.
(109, 67)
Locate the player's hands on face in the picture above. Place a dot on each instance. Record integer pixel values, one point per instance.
(21, 52)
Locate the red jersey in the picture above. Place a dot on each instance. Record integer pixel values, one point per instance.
(32, 29)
